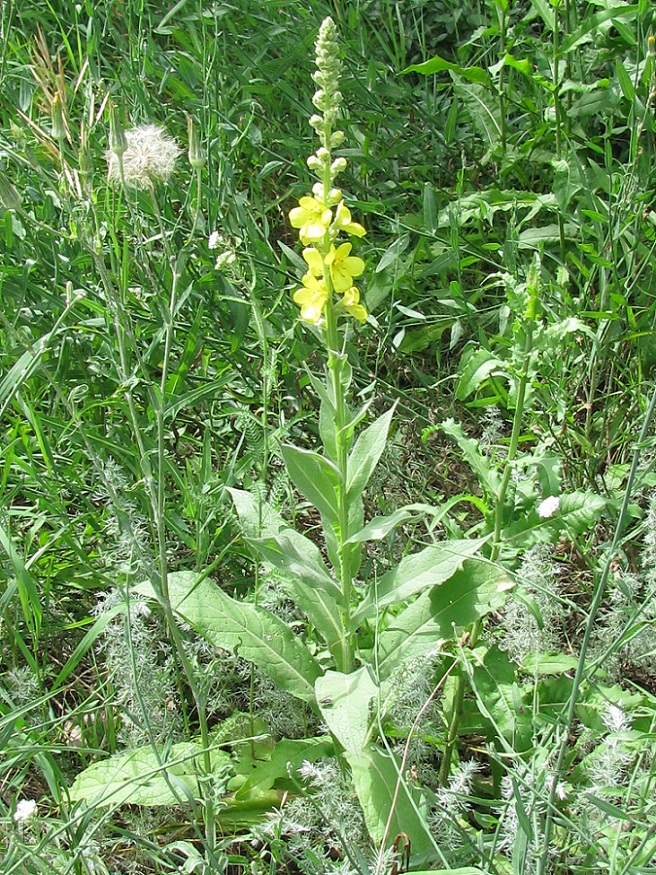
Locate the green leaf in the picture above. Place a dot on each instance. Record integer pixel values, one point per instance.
(379, 527)
(316, 478)
(438, 65)
(548, 663)
(287, 757)
(365, 455)
(576, 514)
(431, 566)
(294, 554)
(344, 701)
(386, 812)
(318, 602)
(479, 366)
(591, 24)
(147, 777)
(244, 629)
(487, 476)
(436, 616)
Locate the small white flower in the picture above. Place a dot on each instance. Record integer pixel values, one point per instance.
(215, 239)
(149, 158)
(549, 506)
(24, 810)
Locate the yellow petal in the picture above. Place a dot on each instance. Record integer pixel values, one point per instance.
(313, 260)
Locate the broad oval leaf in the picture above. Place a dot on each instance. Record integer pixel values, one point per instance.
(431, 566)
(244, 629)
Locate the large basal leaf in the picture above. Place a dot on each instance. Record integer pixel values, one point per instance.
(386, 812)
(344, 701)
(436, 616)
(244, 629)
(147, 777)
(365, 455)
(431, 566)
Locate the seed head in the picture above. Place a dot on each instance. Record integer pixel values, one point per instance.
(149, 157)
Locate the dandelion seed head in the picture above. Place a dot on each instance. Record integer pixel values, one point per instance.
(149, 158)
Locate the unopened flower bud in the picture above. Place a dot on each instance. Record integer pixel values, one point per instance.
(338, 166)
(313, 163)
(196, 154)
(58, 123)
(118, 142)
(336, 139)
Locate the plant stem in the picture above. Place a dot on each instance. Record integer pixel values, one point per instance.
(335, 365)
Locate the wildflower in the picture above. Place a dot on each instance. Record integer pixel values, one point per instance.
(351, 303)
(549, 506)
(343, 222)
(343, 266)
(313, 218)
(25, 809)
(215, 239)
(311, 298)
(149, 157)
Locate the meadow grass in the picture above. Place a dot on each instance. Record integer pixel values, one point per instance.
(332, 590)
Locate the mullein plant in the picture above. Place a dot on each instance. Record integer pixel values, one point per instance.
(362, 635)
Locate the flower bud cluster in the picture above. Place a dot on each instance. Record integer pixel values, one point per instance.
(324, 216)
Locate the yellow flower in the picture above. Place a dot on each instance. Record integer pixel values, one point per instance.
(343, 222)
(343, 266)
(351, 303)
(313, 218)
(311, 298)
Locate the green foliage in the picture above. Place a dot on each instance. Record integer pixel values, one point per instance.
(221, 528)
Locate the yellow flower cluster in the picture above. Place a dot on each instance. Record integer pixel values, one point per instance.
(327, 265)
(321, 218)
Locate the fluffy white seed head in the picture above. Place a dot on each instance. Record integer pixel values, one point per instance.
(149, 158)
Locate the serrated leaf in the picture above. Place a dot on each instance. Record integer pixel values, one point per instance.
(244, 629)
(139, 777)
